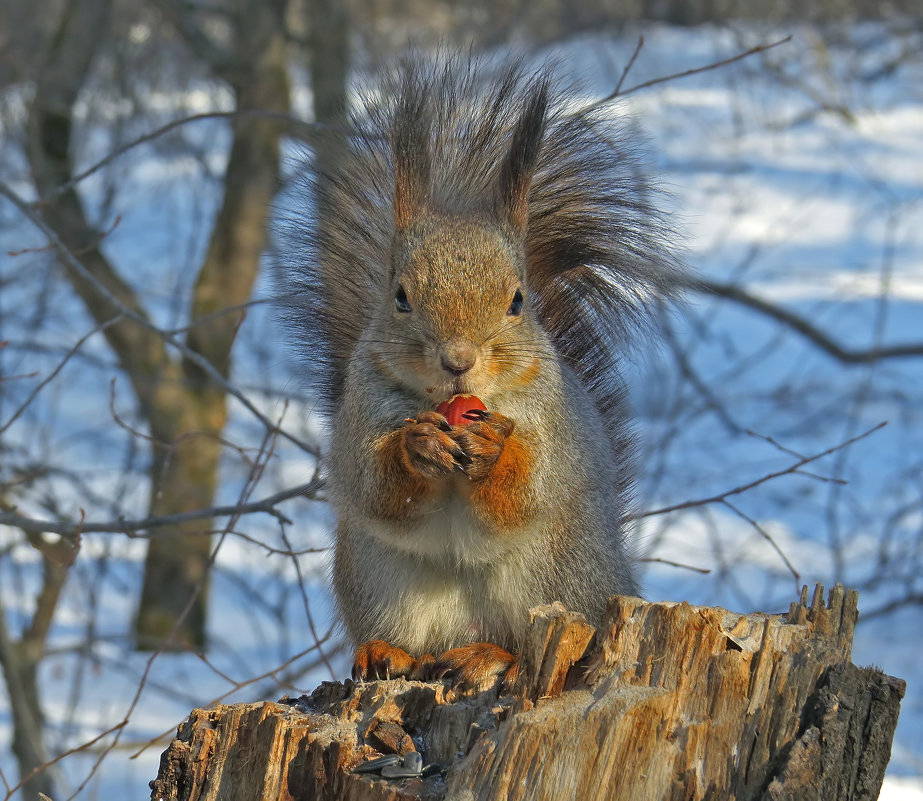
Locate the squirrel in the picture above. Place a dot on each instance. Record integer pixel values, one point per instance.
(477, 234)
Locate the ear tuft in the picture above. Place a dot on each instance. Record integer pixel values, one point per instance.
(517, 169)
(410, 135)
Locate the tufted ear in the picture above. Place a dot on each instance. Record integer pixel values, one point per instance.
(410, 136)
(516, 170)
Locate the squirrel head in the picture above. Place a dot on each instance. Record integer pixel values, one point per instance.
(457, 317)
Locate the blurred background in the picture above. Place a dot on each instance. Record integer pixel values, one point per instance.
(163, 530)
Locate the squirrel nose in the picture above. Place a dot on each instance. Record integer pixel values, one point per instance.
(458, 357)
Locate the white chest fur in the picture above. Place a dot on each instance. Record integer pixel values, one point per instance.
(432, 600)
(447, 531)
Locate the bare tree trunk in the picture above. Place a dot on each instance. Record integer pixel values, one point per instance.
(184, 478)
(664, 702)
(329, 65)
(184, 410)
(329, 26)
(20, 659)
(28, 741)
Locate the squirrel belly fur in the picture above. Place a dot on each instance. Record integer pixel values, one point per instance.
(476, 233)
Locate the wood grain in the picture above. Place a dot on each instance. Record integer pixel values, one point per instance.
(664, 701)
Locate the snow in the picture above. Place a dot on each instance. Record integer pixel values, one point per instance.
(771, 182)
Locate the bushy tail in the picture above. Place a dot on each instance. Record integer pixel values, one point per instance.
(597, 250)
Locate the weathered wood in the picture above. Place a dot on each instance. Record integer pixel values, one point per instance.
(665, 701)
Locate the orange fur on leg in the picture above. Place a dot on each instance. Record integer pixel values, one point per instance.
(502, 497)
(500, 467)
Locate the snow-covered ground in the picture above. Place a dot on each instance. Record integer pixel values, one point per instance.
(797, 173)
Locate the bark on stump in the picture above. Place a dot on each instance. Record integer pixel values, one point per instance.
(665, 701)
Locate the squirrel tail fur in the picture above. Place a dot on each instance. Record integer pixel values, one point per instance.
(596, 248)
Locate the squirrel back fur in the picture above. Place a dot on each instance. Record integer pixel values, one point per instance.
(476, 233)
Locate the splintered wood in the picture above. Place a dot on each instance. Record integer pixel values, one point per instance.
(664, 701)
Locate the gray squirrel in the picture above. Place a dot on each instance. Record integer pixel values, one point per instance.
(483, 254)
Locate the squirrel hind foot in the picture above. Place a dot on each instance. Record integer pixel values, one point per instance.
(479, 666)
(376, 659)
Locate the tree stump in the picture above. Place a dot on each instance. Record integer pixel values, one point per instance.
(664, 701)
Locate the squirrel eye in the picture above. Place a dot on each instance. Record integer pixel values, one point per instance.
(400, 300)
(515, 308)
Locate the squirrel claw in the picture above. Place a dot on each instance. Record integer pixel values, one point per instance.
(462, 461)
(461, 457)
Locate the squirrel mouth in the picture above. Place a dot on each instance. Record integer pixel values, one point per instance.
(462, 387)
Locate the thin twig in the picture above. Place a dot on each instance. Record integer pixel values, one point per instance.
(628, 66)
(271, 551)
(307, 605)
(266, 449)
(51, 376)
(775, 443)
(208, 115)
(208, 318)
(715, 65)
(659, 560)
(69, 752)
(196, 358)
(911, 599)
(712, 402)
(766, 536)
(171, 447)
(237, 686)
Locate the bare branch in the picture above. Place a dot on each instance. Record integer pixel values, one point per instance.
(293, 123)
(69, 752)
(698, 383)
(774, 443)
(911, 599)
(793, 469)
(238, 686)
(266, 450)
(307, 607)
(132, 527)
(809, 331)
(628, 66)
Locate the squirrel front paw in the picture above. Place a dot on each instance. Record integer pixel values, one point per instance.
(482, 440)
(429, 448)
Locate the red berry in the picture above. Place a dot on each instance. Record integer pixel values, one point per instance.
(457, 406)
